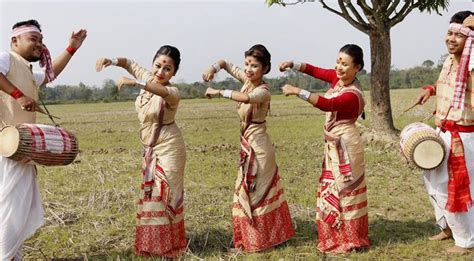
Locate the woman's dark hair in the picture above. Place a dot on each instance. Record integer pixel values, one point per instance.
(262, 55)
(459, 17)
(170, 51)
(29, 22)
(355, 52)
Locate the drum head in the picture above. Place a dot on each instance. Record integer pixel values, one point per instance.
(428, 154)
(9, 141)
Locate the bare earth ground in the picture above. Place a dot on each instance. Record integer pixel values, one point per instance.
(90, 204)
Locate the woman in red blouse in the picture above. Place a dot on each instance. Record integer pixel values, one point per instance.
(341, 217)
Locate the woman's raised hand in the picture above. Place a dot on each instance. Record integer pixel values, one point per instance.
(286, 65)
(122, 82)
(210, 92)
(288, 89)
(102, 63)
(208, 74)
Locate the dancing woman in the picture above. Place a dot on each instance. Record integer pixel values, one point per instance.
(260, 214)
(160, 216)
(341, 217)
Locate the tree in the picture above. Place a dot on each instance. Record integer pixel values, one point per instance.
(427, 64)
(375, 18)
(110, 90)
(441, 60)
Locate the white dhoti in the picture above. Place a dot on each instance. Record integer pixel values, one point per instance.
(436, 182)
(21, 212)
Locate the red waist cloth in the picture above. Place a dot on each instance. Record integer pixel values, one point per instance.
(447, 125)
(459, 193)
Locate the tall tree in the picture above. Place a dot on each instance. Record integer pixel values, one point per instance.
(427, 64)
(375, 18)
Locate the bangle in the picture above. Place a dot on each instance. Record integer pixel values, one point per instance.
(304, 95)
(217, 67)
(227, 94)
(296, 66)
(141, 84)
(71, 50)
(114, 61)
(17, 94)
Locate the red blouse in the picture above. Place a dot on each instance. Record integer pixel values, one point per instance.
(346, 104)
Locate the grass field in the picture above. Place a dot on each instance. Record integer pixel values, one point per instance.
(90, 204)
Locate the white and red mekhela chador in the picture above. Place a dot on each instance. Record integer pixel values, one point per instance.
(160, 217)
(260, 214)
(342, 213)
(450, 186)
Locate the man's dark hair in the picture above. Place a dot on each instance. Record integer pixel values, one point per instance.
(459, 17)
(29, 22)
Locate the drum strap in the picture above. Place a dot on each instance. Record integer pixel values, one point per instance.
(459, 193)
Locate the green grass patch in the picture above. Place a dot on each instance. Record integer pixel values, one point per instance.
(90, 205)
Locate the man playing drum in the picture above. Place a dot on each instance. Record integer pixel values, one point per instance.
(451, 186)
(21, 213)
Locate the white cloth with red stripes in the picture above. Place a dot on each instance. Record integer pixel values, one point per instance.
(49, 138)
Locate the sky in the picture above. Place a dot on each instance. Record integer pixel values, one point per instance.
(206, 31)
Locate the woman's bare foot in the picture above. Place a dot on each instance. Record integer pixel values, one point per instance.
(444, 234)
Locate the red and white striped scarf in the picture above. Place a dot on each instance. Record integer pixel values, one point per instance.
(45, 61)
(45, 58)
(463, 69)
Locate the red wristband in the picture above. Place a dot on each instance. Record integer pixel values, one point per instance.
(16, 94)
(71, 50)
(430, 88)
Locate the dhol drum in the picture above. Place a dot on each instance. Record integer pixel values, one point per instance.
(422, 146)
(38, 144)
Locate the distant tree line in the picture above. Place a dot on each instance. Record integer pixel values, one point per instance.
(415, 77)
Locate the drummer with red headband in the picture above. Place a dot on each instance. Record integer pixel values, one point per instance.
(451, 186)
(21, 213)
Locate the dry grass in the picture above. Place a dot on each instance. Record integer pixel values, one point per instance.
(90, 204)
